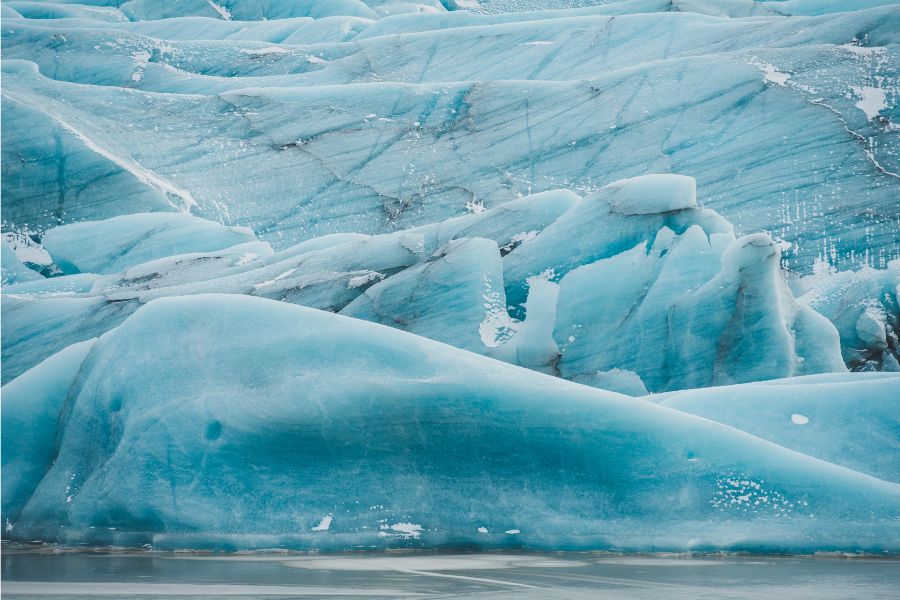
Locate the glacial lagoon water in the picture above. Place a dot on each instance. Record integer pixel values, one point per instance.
(53, 574)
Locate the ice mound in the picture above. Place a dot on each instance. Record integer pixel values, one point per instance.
(650, 194)
(865, 308)
(230, 422)
(850, 419)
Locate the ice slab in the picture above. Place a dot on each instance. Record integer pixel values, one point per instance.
(113, 245)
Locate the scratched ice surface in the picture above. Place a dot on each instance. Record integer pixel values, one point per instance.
(608, 274)
(786, 123)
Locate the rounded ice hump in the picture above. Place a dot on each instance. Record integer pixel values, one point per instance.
(229, 422)
(650, 194)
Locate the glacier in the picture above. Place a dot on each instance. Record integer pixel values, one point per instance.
(642, 295)
(367, 274)
(247, 441)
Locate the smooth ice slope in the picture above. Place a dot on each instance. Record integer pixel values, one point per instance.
(113, 245)
(230, 422)
(848, 419)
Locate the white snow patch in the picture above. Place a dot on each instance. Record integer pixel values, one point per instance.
(223, 12)
(482, 530)
(366, 278)
(142, 59)
(268, 51)
(519, 238)
(246, 258)
(475, 207)
(539, 43)
(324, 524)
(26, 249)
(545, 275)
(408, 530)
(271, 281)
(312, 58)
(798, 419)
(771, 73)
(512, 531)
(872, 100)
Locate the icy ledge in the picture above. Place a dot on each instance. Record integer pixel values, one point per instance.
(230, 422)
(632, 288)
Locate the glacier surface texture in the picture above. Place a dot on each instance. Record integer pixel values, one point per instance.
(364, 274)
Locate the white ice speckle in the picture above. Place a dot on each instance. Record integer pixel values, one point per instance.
(269, 51)
(475, 207)
(798, 419)
(246, 258)
(482, 530)
(408, 530)
(223, 12)
(771, 73)
(271, 281)
(324, 524)
(539, 43)
(497, 326)
(364, 279)
(512, 531)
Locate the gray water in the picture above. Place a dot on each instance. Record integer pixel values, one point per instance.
(53, 574)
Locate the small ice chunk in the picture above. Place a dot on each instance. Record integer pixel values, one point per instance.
(324, 524)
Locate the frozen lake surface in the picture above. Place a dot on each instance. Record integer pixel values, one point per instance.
(40, 574)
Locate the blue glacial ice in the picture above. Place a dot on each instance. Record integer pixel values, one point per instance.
(607, 274)
(864, 307)
(113, 245)
(663, 296)
(847, 419)
(238, 437)
(786, 123)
